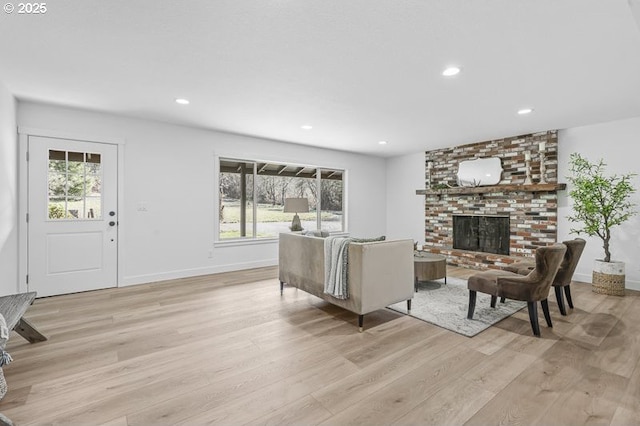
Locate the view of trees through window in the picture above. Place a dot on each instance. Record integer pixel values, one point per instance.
(75, 185)
(255, 192)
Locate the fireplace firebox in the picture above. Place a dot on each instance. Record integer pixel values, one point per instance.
(488, 234)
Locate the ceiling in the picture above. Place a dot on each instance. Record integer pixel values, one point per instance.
(358, 71)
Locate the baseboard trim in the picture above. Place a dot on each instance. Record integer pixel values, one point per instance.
(583, 278)
(628, 284)
(186, 273)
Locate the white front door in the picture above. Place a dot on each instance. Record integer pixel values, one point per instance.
(73, 216)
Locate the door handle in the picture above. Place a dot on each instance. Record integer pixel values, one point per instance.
(112, 223)
(112, 213)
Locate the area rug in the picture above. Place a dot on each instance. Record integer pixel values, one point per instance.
(445, 305)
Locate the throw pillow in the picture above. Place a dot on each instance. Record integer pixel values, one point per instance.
(321, 233)
(368, 240)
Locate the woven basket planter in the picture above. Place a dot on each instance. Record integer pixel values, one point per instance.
(608, 278)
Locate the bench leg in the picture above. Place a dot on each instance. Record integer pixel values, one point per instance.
(4, 420)
(29, 332)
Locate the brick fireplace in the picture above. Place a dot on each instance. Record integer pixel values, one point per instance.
(530, 210)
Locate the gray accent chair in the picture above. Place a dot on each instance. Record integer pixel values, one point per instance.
(564, 276)
(532, 288)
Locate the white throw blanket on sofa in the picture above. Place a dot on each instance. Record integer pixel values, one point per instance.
(336, 264)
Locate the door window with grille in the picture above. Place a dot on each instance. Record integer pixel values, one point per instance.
(75, 185)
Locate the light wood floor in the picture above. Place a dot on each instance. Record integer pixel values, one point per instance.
(228, 349)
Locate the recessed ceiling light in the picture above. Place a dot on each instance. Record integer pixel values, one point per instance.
(451, 71)
(182, 101)
(382, 142)
(525, 111)
(306, 127)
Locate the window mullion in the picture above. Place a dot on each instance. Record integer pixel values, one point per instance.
(319, 199)
(84, 186)
(255, 204)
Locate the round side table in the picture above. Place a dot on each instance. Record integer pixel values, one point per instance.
(429, 266)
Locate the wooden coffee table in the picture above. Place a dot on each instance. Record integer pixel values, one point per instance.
(429, 266)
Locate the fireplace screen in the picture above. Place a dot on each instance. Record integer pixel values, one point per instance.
(489, 234)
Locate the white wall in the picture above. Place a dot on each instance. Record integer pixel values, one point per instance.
(405, 209)
(615, 141)
(171, 169)
(8, 194)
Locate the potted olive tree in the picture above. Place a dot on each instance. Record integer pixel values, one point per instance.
(600, 203)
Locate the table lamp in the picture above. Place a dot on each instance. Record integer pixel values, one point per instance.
(296, 205)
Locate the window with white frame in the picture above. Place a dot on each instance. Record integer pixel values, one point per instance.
(252, 196)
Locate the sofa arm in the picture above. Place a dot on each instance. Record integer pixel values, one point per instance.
(381, 273)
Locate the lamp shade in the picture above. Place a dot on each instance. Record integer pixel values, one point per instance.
(296, 205)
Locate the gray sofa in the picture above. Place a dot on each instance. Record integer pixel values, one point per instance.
(379, 273)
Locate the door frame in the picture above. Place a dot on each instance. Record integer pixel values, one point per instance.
(23, 196)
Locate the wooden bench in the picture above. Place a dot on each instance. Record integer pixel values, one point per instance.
(12, 308)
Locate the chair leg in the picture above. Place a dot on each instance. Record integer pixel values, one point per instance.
(281, 288)
(560, 300)
(472, 304)
(360, 323)
(567, 292)
(502, 299)
(545, 309)
(494, 299)
(408, 304)
(533, 317)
